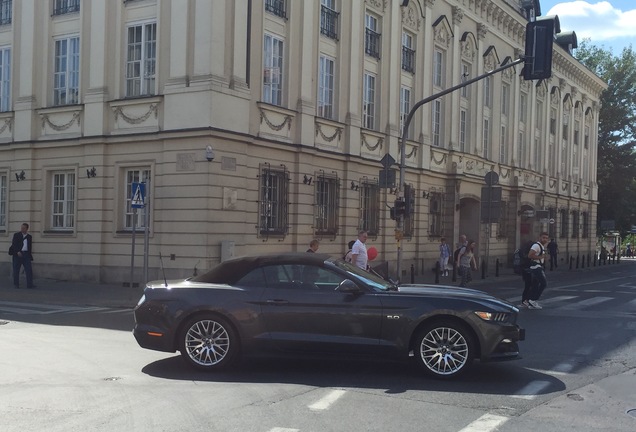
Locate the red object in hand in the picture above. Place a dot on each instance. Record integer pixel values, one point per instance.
(372, 253)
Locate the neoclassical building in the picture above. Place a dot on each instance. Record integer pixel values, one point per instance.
(258, 125)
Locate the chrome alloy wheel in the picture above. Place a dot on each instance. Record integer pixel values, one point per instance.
(207, 342)
(444, 351)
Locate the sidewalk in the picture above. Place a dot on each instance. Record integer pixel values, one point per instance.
(53, 291)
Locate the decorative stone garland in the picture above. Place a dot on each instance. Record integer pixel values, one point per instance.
(7, 124)
(372, 147)
(336, 134)
(135, 120)
(287, 121)
(58, 128)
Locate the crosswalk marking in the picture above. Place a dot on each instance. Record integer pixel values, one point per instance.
(485, 423)
(586, 303)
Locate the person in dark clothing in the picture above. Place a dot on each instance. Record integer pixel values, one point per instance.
(22, 252)
(553, 250)
(313, 246)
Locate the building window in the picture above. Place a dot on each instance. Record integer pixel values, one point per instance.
(435, 214)
(62, 7)
(141, 60)
(273, 70)
(486, 138)
(325, 87)
(564, 223)
(4, 182)
(539, 116)
(522, 150)
(408, 53)
(523, 108)
(405, 107)
(139, 175)
(66, 75)
(566, 123)
(273, 201)
(368, 103)
(276, 7)
(5, 11)
(502, 223)
(538, 166)
(466, 72)
(585, 225)
(463, 126)
(503, 145)
(371, 36)
(575, 224)
(438, 68)
(553, 121)
(586, 138)
(488, 92)
(326, 208)
(437, 123)
(370, 207)
(63, 201)
(505, 100)
(5, 79)
(329, 19)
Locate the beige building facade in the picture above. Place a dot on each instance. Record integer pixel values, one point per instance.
(259, 125)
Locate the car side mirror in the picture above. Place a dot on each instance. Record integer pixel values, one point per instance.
(348, 286)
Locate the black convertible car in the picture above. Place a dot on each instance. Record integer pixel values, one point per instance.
(314, 304)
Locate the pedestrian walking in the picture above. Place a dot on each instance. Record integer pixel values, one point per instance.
(537, 272)
(467, 262)
(444, 255)
(553, 250)
(359, 255)
(22, 251)
(347, 256)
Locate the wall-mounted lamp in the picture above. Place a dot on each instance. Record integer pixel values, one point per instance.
(354, 186)
(90, 173)
(209, 153)
(20, 177)
(426, 195)
(307, 180)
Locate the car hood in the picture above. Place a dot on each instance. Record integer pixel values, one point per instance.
(449, 291)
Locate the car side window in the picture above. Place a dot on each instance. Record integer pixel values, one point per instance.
(252, 279)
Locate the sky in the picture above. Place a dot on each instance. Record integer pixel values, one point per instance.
(607, 23)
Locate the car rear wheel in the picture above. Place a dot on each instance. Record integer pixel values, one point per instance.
(444, 349)
(208, 343)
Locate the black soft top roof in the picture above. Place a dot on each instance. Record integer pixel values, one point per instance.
(230, 271)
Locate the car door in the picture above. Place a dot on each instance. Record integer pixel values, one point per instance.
(303, 311)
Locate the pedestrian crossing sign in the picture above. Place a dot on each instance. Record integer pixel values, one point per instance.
(138, 195)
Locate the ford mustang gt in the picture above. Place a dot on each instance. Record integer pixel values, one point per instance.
(313, 304)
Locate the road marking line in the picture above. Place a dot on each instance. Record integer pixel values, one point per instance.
(486, 423)
(327, 401)
(587, 283)
(280, 429)
(588, 302)
(531, 391)
(557, 299)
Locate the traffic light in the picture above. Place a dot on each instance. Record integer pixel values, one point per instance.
(540, 36)
(400, 207)
(392, 213)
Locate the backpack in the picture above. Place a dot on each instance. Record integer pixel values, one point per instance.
(520, 260)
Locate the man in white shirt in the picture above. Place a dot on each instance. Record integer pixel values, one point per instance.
(539, 281)
(359, 251)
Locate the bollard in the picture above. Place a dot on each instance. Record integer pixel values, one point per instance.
(413, 273)
(497, 268)
(583, 261)
(437, 268)
(454, 279)
(594, 259)
(571, 261)
(577, 262)
(483, 269)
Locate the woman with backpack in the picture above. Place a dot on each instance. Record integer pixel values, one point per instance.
(444, 254)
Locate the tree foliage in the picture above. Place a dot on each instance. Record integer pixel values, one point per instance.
(617, 132)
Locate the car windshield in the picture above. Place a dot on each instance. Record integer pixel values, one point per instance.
(369, 278)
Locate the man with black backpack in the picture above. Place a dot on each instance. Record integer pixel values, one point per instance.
(534, 276)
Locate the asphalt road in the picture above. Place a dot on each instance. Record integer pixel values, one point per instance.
(77, 367)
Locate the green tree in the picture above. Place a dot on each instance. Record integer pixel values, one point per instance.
(617, 132)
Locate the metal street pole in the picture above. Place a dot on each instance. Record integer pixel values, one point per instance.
(405, 128)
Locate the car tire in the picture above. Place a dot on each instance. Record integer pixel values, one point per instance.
(444, 349)
(208, 343)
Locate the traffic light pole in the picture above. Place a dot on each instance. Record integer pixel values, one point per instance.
(399, 232)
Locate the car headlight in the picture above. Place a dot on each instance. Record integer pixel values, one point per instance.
(493, 316)
(141, 300)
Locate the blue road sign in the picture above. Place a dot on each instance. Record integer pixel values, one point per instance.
(138, 195)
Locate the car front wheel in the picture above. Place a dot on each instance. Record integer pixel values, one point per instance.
(444, 349)
(208, 343)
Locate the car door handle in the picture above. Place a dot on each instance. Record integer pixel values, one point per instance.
(277, 302)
